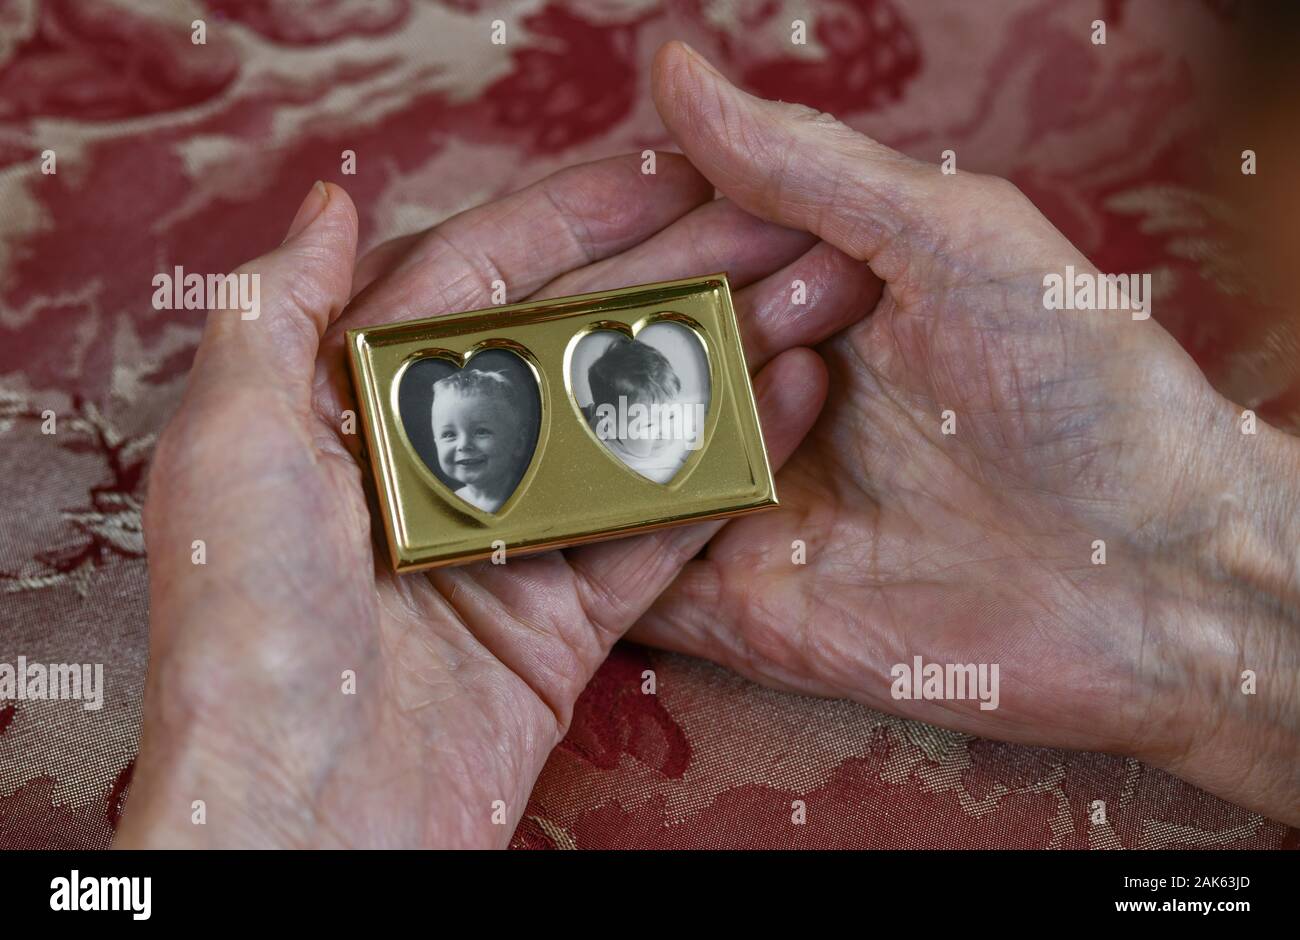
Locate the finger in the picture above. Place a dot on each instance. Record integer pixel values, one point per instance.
(622, 578)
(717, 236)
(515, 611)
(809, 300)
(774, 314)
(817, 293)
(569, 219)
(795, 166)
(694, 616)
(381, 259)
(298, 289)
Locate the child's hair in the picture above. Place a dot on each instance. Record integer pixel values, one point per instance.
(479, 382)
(633, 369)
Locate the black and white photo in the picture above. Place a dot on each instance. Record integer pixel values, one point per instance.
(474, 427)
(645, 398)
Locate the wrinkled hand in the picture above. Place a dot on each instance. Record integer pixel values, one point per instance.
(465, 677)
(978, 546)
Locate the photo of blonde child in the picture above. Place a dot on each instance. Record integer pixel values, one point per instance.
(475, 427)
(478, 432)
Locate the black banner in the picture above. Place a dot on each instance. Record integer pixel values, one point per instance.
(335, 889)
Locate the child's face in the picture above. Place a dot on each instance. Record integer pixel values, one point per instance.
(476, 437)
(647, 434)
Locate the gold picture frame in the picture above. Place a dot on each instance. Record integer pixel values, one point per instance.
(575, 488)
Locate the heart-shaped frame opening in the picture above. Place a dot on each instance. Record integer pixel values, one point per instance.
(474, 423)
(646, 394)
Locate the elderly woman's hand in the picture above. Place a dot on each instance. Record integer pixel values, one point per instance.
(465, 677)
(1069, 429)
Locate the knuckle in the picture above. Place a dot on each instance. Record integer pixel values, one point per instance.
(307, 302)
(816, 118)
(998, 191)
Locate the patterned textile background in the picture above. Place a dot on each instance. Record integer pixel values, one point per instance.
(170, 153)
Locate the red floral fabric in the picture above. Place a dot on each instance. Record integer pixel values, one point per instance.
(174, 153)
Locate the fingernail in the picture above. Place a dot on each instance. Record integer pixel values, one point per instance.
(318, 198)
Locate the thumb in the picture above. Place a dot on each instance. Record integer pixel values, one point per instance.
(798, 167)
(269, 341)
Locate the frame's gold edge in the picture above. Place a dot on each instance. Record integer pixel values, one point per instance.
(761, 503)
(622, 298)
(364, 384)
(729, 375)
(757, 447)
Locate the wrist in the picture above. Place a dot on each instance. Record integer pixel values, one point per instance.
(1231, 597)
(279, 758)
(244, 739)
(205, 779)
